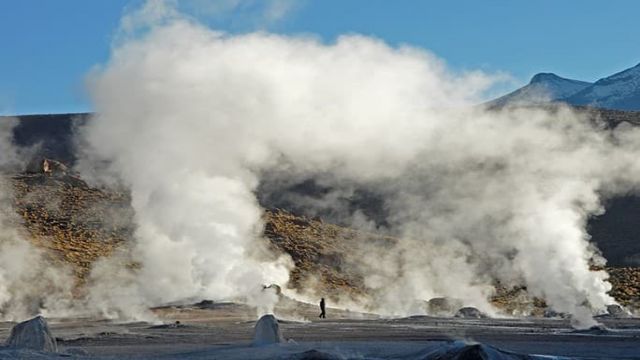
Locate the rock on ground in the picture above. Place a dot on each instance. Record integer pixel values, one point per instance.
(314, 355)
(33, 334)
(470, 313)
(267, 331)
(461, 351)
(617, 311)
(443, 306)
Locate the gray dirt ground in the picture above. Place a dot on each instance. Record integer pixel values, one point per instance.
(225, 331)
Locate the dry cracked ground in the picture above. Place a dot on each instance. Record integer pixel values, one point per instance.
(78, 224)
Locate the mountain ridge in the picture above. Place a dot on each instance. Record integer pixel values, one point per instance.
(620, 91)
(543, 88)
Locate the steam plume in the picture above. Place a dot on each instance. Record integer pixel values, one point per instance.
(30, 282)
(191, 119)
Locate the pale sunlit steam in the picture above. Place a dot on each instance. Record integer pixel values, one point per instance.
(190, 119)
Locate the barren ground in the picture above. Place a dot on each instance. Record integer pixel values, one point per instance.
(225, 330)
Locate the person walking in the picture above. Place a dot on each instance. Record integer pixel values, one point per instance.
(323, 315)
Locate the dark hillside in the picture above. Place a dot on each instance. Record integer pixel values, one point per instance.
(78, 224)
(617, 232)
(53, 134)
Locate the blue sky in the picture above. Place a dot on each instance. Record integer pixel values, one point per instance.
(48, 46)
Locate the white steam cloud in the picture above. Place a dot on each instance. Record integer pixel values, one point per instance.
(191, 118)
(30, 281)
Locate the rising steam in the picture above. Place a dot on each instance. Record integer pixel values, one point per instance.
(30, 281)
(191, 120)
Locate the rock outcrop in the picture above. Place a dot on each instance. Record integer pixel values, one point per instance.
(46, 166)
(470, 313)
(32, 334)
(460, 351)
(617, 312)
(267, 331)
(443, 306)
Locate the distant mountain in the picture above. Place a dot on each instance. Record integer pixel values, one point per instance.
(620, 91)
(543, 88)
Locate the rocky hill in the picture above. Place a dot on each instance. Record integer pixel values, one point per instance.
(79, 224)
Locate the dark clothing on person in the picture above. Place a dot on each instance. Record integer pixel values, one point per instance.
(322, 311)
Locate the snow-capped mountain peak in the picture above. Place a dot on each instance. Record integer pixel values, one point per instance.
(543, 88)
(546, 77)
(619, 91)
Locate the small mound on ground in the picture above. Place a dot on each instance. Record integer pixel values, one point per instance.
(267, 331)
(212, 305)
(470, 313)
(32, 334)
(175, 325)
(617, 311)
(443, 306)
(313, 355)
(598, 329)
(461, 351)
(550, 313)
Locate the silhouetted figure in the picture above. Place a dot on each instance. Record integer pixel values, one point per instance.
(322, 312)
